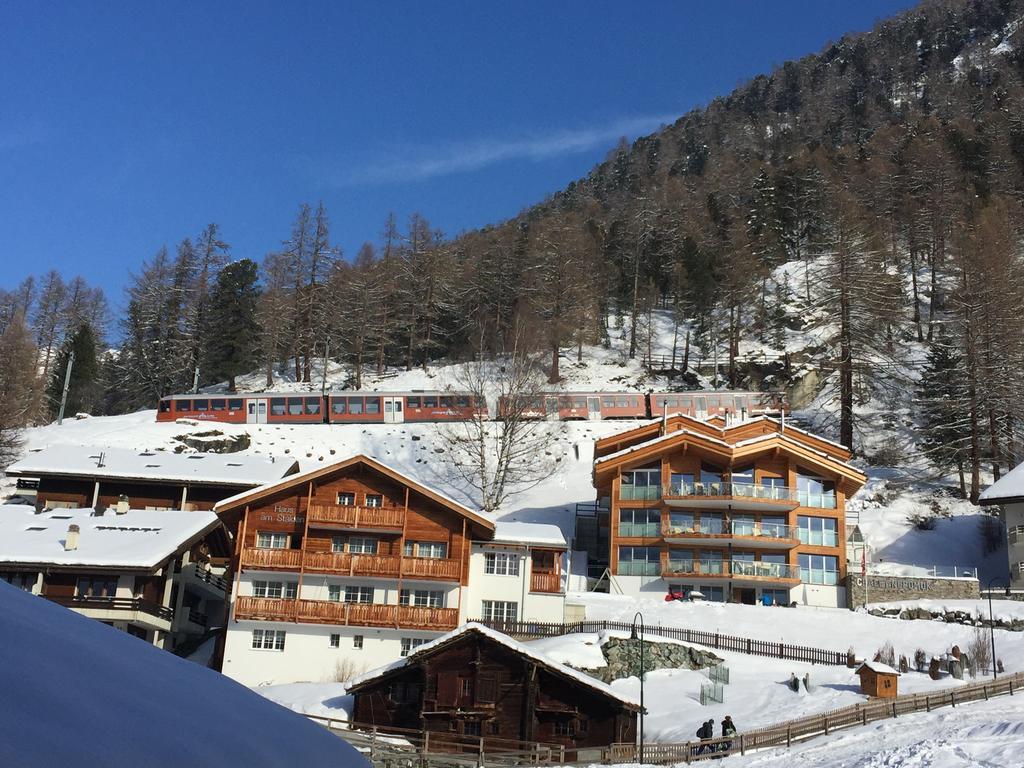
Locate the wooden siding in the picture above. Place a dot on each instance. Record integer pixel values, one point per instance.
(345, 614)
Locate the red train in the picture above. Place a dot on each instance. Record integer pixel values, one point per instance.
(421, 406)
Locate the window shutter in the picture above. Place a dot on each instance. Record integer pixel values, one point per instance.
(447, 688)
(486, 689)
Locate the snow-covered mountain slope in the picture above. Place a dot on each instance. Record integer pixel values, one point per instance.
(78, 693)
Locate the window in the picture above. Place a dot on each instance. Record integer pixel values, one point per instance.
(373, 405)
(711, 479)
(358, 594)
(335, 641)
(682, 483)
(409, 644)
(744, 476)
(165, 406)
(467, 687)
(640, 522)
(218, 405)
(494, 728)
(470, 727)
(96, 587)
(275, 589)
(312, 406)
(201, 405)
(816, 492)
(711, 522)
(357, 642)
(235, 404)
(362, 545)
(355, 406)
(817, 531)
(294, 406)
(775, 596)
(430, 401)
(412, 401)
(564, 728)
(268, 540)
(447, 402)
(681, 522)
(337, 543)
(774, 526)
(182, 406)
(774, 488)
(819, 569)
(713, 594)
(374, 500)
(500, 610)
(680, 561)
(711, 561)
(346, 499)
(501, 563)
(277, 406)
(641, 484)
(463, 402)
(24, 580)
(421, 598)
(436, 549)
(639, 561)
(268, 639)
(338, 405)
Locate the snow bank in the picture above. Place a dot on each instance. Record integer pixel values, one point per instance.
(76, 693)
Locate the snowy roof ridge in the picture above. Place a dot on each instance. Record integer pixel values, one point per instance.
(877, 666)
(659, 439)
(85, 461)
(1010, 487)
(787, 438)
(508, 642)
(515, 532)
(139, 538)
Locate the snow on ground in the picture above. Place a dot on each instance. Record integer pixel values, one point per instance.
(321, 699)
(76, 692)
(830, 628)
(984, 733)
(1002, 610)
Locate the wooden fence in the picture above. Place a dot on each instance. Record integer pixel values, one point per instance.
(752, 646)
(784, 734)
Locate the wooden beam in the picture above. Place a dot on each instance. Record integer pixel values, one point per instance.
(302, 553)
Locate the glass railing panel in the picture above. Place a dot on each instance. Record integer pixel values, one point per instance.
(639, 492)
(639, 530)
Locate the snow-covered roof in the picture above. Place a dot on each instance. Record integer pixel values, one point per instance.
(513, 532)
(503, 639)
(214, 468)
(1010, 487)
(878, 667)
(137, 539)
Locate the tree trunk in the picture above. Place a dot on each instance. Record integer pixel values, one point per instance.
(993, 441)
(916, 295)
(845, 356)
(554, 376)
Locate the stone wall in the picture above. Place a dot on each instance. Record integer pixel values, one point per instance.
(949, 617)
(623, 657)
(884, 589)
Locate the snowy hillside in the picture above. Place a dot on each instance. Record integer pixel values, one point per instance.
(78, 693)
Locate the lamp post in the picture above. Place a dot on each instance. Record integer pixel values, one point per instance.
(991, 621)
(633, 636)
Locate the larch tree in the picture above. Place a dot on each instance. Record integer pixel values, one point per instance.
(84, 386)
(232, 334)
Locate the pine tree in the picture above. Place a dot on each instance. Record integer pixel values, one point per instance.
(232, 333)
(943, 408)
(84, 387)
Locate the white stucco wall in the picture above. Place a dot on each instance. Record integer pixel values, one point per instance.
(533, 606)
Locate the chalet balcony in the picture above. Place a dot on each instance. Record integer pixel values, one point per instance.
(194, 575)
(748, 533)
(363, 518)
(734, 495)
(352, 564)
(131, 609)
(546, 582)
(345, 614)
(744, 571)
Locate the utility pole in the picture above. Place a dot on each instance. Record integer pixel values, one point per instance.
(195, 382)
(67, 385)
(323, 381)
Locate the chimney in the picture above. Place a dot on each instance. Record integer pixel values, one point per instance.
(71, 542)
(122, 505)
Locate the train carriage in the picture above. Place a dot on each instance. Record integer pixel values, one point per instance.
(399, 407)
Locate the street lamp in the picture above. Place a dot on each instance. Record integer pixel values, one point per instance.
(633, 636)
(991, 622)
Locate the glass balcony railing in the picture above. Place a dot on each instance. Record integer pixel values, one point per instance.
(640, 530)
(733, 568)
(745, 528)
(818, 538)
(639, 569)
(819, 500)
(639, 492)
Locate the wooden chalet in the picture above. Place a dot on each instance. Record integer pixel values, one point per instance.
(476, 682)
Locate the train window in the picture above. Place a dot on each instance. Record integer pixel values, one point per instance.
(429, 401)
(373, 405)
(337, 405)
(446, 402)
(201, 405)
(622, 402)
(165, 406)
(686, 402)
(579, 402)
(235, 404)
(355, 406)
(412, 401)
(607, 402)
(462, 401)
(312, 405)
(277, 406)
(218, 404)
(294, 406)
(713, 401)
(182, 406)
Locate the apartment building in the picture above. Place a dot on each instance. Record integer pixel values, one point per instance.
(354, 565)
(749, 512)
(156, 575)
(1008, 492)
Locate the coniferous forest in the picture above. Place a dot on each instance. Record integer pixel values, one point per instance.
(885, 172)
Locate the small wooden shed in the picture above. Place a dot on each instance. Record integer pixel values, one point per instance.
(877, 679)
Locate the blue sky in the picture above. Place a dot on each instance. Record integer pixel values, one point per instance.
(127, 126)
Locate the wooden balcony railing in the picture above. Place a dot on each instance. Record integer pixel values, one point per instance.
(545, 582)
(114, 604)
(351, 564)
(346, 614)
(357, 517)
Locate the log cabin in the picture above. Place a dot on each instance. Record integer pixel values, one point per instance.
(354, 564)
(749, 512)
(71, 477)
(476, 682)
(156, 575)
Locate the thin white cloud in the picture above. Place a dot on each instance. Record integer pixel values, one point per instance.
(407, 165)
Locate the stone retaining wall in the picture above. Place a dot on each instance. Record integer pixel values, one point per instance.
(950, 617)
(885, 589)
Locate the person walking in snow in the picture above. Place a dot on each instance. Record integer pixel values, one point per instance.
(728, 730)
(705, 732)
